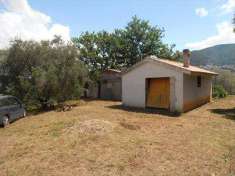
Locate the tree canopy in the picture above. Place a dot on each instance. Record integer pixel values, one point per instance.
(123, 47)
(43, 73)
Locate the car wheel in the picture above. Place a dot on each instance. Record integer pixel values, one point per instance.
(5, 121)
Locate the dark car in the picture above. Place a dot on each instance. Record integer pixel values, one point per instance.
(11, 108)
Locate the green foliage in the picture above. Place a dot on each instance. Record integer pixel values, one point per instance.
(219, 91)
(141, 40)
(226, 79)
(97, 51)
(43, 73)
(123, 47)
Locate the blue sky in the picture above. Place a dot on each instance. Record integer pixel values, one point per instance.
(184, 27)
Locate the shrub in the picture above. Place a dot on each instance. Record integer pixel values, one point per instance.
(219, 91)
(226, 78)
(43, 74)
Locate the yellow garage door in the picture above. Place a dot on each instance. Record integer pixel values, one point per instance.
(158, 95)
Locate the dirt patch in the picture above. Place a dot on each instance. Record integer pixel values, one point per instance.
(129, 126)
(232, 161)
(92, 127)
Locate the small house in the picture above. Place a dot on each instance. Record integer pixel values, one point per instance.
(110, 86)
(165, 84)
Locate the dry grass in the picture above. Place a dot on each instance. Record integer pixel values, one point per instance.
(98, 139)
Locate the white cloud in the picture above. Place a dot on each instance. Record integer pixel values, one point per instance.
(18, 19)
(224, 35)
(229, 6)
(202, 12)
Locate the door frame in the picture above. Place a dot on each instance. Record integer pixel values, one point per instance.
(147, 83)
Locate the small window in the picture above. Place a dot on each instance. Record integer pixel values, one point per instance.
(199, 81)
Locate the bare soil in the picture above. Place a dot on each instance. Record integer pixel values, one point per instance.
(102, 138)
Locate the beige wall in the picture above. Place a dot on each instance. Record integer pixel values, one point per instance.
(195, 96)
(111, 90)
(133, 84)
(110, 87)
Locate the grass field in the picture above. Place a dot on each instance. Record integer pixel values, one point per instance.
(100, 138)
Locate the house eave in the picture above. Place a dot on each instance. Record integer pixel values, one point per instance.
(176, 68)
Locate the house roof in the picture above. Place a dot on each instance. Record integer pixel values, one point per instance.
(111, 74)
(113, 70)
(173, 64)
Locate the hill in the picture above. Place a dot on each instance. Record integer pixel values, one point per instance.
(217, 55)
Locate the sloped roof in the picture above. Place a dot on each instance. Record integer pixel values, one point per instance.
(178, 65)
(113, 70)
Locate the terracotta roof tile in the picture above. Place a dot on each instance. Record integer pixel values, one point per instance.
(180, 65)
(191, 69)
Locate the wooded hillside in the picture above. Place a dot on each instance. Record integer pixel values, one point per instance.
(217, 55)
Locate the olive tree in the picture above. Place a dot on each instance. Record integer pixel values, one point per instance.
(43, 73)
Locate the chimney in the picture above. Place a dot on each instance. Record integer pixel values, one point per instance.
(186, 57)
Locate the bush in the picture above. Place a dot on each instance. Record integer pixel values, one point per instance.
(219, 92)
(43, 74)
(226, 78)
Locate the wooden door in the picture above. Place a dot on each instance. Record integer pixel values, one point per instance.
(158, 93)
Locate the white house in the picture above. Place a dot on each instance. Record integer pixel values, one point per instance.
(160, 83)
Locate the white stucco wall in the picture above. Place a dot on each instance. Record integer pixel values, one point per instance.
(134, 85)
(194, 93)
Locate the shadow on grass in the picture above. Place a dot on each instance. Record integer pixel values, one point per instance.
(146, 111)
(61, 107)
(228, 113)
(99, 99)
(37, 112)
